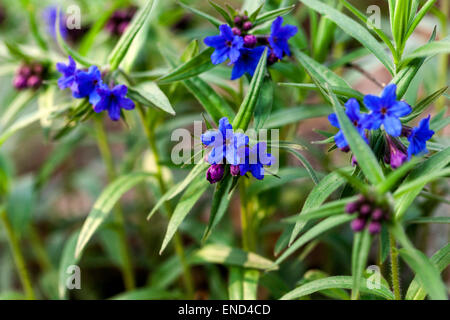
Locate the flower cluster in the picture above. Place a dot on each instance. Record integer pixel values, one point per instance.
(385, 112)
(369, 214)
(244, 50)
(233, 149)
(120, 20)
(29, 76)
(89, 84)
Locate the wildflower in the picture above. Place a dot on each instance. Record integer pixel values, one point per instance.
(224, 143)
(418, 138)
(356, 117)
(254, 159)
(279, 37)
(386, 110)
(120, 20)
(247, 25)
(250, 41)
(396, 153)
(50, 14)
(113, 100)
(227, 45)
(215, 173)
(369, 213)
(247, 62)
(86, 83)
(29, 76)
(68, 73)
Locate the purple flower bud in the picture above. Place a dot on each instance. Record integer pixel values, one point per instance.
(235, 171)
(25, 71)
(358, 224)
(245, 17)
(272, 59)
(237, 20)
(236, 31)
(247, 25)
(365, 209)
(397, 153)
(122, 27)
(352, 207)
(406, 131)
(374, 227)
(377, 214)
(250, 41)
(215, 173)
(20, 82)
(345, 149)
(354, 161)
(34, 82)
(38, 69)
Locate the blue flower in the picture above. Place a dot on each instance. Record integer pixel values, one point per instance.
(386, 110)
(279, 37)
(113, 100)
(247, 62)
(254, 159)
(419, 137)
(86, 83)
(49, 15)
(224, 143)
(68, 73)
(358, 119)
(227, 45)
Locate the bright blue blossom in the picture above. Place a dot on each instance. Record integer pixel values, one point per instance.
(50, 13)
(279, 37)
(227, 45)
(86, 83)
(113, 100)
(386, 110)
(68, 73)
(224, 143)
(418, 138)
(247, 62)
(254, 159)
(358, 119)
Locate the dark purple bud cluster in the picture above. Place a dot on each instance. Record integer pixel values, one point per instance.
(29, 76)
(120, 20)
(369, 214)
(242, 25)
(215, 173)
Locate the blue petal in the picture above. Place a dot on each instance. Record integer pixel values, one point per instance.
(393, 126)
(340, 140)
(334, 120)
(215, 41)
(209, 137)
(352, 109)
(400, 109)
(374, 103)
(226, 32)
(389, 95)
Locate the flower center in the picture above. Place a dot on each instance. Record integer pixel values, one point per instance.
(383, 110)
(228, 43)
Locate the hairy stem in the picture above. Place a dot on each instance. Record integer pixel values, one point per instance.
(394, 268)
(178, 243)
(18, 257)
(105, 151)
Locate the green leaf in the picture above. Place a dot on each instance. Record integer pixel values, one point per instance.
(123, 45)
(104, 204)
(306, 164)
(422, 12)
(441, 260)
(428, 50)
(264, 105)
(199, 169)
(361, 242)
(395, 176)
(423, 104)
(247, 108)
(68, 258)
(320, 72)
(333, 293)
(222, 254)
(434, 164)
(339, 91)
(316, 197)
(314, 232)
(250, 284)
(206, 16)
(353, 29)
(222, 12)
(235, 287)
(149, 94)
(22, 123)
(270, 15)
(221, 200)
(427, 273)
(286, 116)
(443, 220)
(419, 183)
(149, 293)
(362, 152)
(195, 66)
(343, 282)
(184, 206)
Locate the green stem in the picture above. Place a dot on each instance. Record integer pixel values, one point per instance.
(443, 60)
(394, 268)
(18, 257)
(105, 151)
(178, 243)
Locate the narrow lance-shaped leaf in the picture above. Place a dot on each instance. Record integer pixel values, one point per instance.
(362, 242)
(149, 94)
(68, 258)
(104, 204)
